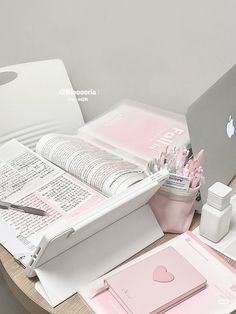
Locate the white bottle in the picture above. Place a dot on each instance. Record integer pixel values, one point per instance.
(215, 220)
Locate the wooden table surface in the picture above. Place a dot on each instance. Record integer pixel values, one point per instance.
(23, 287)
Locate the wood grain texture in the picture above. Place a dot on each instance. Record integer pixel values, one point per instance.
(23, 287)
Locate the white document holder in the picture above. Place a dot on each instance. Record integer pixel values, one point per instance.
(33, 102)
(71, 256)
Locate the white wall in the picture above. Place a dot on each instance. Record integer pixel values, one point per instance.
(162, 52)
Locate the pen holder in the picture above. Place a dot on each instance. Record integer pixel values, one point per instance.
(174, 209)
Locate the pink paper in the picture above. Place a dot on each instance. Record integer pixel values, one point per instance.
(218, 297)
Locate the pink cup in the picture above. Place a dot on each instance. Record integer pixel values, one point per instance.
(174, 209)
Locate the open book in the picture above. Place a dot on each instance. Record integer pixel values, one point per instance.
(102, 169)
(110, 153)
(71, 174)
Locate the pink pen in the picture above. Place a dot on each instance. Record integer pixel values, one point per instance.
(197, 177)
(191, 165)
(191, 175)
(186, 171)
(198, 158)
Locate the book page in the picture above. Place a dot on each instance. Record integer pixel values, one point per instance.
(29, 180)
(97, 167)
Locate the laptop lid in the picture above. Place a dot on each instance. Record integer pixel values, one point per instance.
(211, 123)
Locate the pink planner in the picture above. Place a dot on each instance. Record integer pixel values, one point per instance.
(137, 129)
(156, 283)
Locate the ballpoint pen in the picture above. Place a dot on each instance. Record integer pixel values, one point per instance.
(24, 209)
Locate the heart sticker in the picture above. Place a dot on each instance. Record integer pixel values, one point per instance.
(161, 274)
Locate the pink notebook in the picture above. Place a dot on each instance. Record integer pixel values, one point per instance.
(137, 129)
(156, 284)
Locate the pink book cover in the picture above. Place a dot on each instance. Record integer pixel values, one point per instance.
(138, 129)
(156, 284)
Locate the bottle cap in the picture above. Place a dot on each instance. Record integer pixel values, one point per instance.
(219, 195)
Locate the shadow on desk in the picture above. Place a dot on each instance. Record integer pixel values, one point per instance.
(8, 302)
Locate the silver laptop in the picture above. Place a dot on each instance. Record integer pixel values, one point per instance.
(211, 122)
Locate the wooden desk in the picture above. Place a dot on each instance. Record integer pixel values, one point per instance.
(23, 287)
